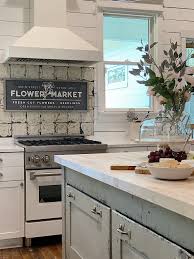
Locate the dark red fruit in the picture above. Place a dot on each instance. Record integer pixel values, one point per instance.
(151, 160)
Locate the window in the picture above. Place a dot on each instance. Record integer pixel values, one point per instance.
(121, 36)
(190, 50)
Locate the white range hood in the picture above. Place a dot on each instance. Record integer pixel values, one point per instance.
(49, 40)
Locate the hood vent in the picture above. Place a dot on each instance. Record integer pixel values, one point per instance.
(54, 62)
(49, 40)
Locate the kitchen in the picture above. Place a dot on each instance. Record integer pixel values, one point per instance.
(57, 97)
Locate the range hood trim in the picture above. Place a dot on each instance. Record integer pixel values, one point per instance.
(49, 53)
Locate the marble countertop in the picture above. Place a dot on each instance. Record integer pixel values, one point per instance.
(177, 196)
(7, 145)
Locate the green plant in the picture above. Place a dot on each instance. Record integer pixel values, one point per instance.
(170, 81)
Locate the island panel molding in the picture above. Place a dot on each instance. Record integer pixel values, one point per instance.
(23, 95)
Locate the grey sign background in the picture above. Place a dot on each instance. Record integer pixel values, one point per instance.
(45, 95)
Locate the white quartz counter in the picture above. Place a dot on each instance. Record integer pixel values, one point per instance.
(7, 146)
(177, 196)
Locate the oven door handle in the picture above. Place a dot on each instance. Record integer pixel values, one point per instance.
(34, 175)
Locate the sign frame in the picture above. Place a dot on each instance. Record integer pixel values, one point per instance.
(7, 109)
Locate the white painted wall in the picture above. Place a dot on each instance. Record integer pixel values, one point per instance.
(14, 21)
(82, 19)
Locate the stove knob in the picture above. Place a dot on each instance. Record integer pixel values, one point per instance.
(46, 159)
(36, 159)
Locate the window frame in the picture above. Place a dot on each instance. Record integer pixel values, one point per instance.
(100, 68)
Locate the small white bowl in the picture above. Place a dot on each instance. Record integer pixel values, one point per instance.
(165, 173)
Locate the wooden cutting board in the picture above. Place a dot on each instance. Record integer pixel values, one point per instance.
(137, 169)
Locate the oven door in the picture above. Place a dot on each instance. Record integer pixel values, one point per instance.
(43, 194)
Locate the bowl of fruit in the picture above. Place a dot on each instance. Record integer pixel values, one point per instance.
(170, 169)
(166, 164)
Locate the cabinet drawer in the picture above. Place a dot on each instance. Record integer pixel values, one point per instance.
(11, 173)
(11, 159)
(131, 240)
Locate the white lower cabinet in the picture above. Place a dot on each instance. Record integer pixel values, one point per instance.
(87, 227)
(131, 240)
(11, 209)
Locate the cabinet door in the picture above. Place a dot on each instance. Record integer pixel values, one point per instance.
(87, 227)
(131, 240)
(11, 209)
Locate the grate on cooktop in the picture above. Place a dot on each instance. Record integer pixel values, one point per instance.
(64, 141)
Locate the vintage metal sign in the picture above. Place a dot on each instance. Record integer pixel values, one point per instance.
(45, 95)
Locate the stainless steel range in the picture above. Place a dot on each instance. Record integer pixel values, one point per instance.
(43, 178)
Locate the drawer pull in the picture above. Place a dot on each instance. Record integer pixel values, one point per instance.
(1, 159)
(1, 174)
(70, 195)
(96, 212)
(122, 232)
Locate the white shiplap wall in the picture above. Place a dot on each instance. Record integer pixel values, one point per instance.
(14, 21)
(82, 19)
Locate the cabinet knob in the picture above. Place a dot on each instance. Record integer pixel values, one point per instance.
(70, 195)
(22, 184)
(96, 212)
(123, 232)
(1, 174)
(1, 159)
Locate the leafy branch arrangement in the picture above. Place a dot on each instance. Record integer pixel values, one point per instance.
(171, 81)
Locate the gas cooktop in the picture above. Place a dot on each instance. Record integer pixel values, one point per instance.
(58, 141)
(40, 150)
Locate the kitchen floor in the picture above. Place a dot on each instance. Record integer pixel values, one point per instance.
(41, 249)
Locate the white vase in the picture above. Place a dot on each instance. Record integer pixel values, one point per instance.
(133, 130)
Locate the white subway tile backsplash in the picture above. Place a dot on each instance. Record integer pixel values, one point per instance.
(47, 72)
(19, 117)
(18, 71)
(34, 129)
(61, 128)
(74, 73)
(88, 74)
(87, 128)
(73, 128)
(5, 71)
(32, 72)
(61, 73)
(33, 118)
(47, 128)
(19, 129)
(5, 130)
